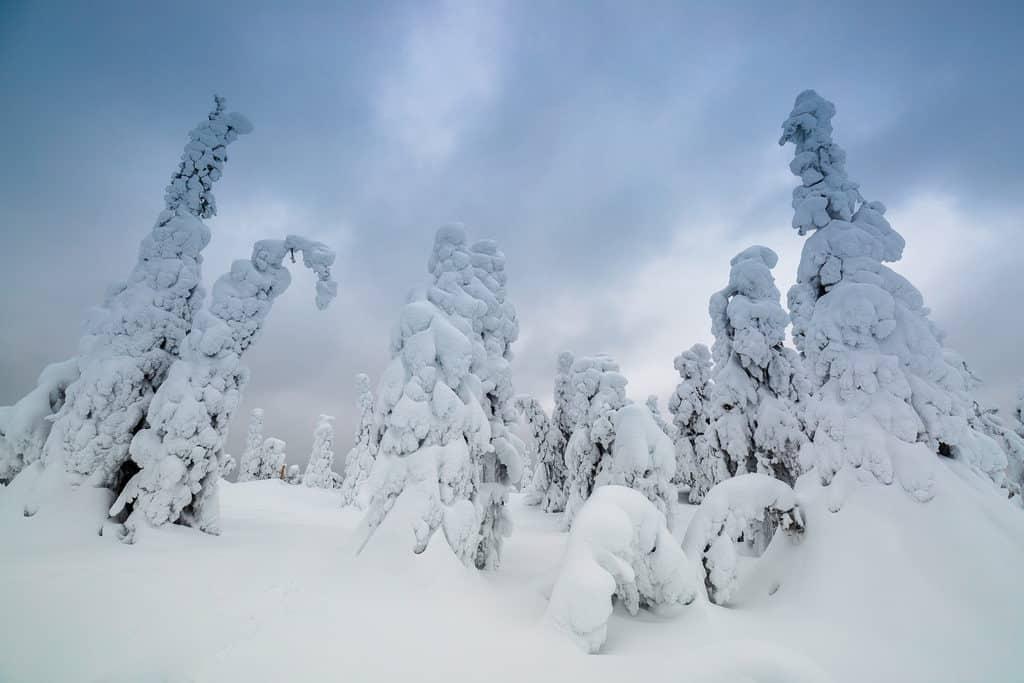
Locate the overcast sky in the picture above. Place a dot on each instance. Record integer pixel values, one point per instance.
(620, 153)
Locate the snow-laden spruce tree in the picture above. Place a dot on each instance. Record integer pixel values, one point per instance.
(539, 425)
(318, 472)
(360, 459)
(24, 426)
(688, 406)
(614, 441)
(275, 453)
(550, 485)
(131, 341)
(599, 390)
(659, 419)
(886, 399)
(179, 450)
(759, 388)
(1018, 412)
(444, 403)
(252, 456)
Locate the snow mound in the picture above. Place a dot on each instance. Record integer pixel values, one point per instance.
(619, 546)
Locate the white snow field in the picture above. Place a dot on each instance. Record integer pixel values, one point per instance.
(886, 589)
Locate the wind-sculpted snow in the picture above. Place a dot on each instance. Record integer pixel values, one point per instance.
(319, 471)
(689, 407)
(748, 506)
(620, 547)
(887, 396)
(448, 386)
(359, 461)
(759, 390)
(132, 339)
(179, 450)
(25, 426)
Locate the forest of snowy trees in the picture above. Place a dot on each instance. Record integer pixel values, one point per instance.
(851, 387)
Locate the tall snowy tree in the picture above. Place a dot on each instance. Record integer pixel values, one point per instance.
(614, 441)
(252, 456)
(539, 425)
(689, 406)
(445, 403)
(759, 387)
(275, 453)
(178, 453)
(360, 459)
(886, 399)
(132, 340)
(551, 476)
(318, 472)
(1018, 412)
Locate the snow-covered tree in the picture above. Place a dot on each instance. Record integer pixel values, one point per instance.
(360, 459)
(293, 475)
(759, 387)
(551, 476)
(539, 424)
(24, 426)
(318, 471)
(599, 390)
(179, 450)
(1018, 412)
(620, 545)
(886, 398)
(689, 408)
(275, 452)
(252, 456)
(132, 340)
(228, 465)
(614, 441)
(444, 403)
(659, 419)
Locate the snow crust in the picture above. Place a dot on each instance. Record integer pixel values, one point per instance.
(619, 546)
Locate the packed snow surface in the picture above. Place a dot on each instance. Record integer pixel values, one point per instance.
(887, 589)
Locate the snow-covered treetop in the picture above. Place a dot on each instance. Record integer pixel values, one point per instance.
(202, 163)
(599, 389)
(687, 402)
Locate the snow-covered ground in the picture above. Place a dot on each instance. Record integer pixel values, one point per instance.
(280, 596)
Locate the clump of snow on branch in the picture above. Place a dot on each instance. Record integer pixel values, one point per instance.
(131, 341)
(445, 404)
(659, 419)
(252, 457)
(619, 546)
(360, 459)
(748, 506)
(318, 472)
(759, 387)
(25, 426)
(887, 398)
(179, 450)
(689, 406)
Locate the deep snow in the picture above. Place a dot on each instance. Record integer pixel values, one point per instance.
(281, 596)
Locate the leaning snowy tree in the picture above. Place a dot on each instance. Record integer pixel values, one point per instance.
(178, 453)
(360, 459)
(886, 401)
(759, 388)
(689, 409)
(131, 341)
(445, 402)
(318, 472)
(659, 419)
(549, 487)
(614, 441)
(252, 456)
